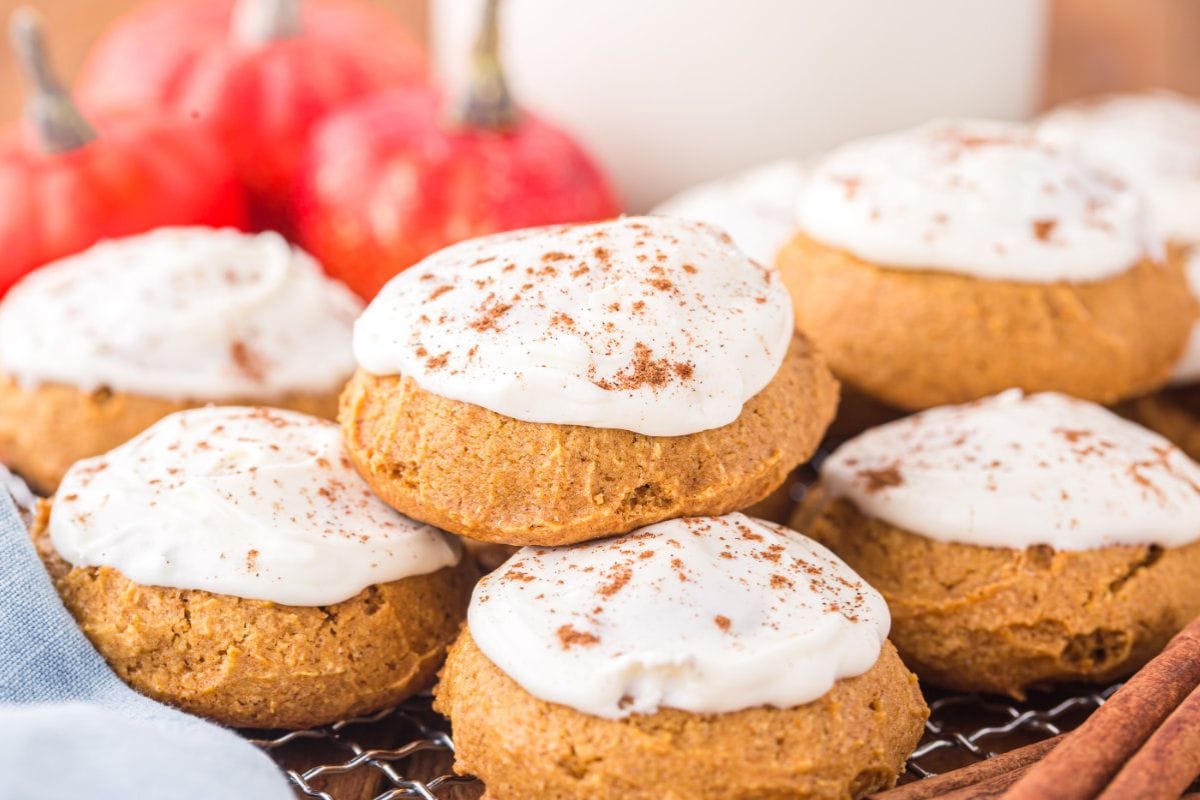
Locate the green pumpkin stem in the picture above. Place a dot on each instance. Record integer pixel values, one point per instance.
(57, 122)
(487, 103)
(262, 21)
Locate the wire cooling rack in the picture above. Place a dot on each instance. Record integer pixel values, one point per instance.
(406, 752)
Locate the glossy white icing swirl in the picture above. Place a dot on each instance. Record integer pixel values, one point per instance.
(182, 313)
(703, 614)
(1015, 470)
(756, 207)
(983, 199)
(648, 324)
(1152, 141)
(250, 502)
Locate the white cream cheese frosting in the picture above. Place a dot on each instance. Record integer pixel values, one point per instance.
(1017, 470)
(650, 324)
(183, 314)
(756, 207)
(703, 614)
(251, 502)
(1151, 141)
(984, 199)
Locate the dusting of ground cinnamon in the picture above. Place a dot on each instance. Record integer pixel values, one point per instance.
(1072, 436)
(876, 480)
(620, 576)
(645, 370)
(1043, 229)
(438, 292)
(722, 622)
(569, 637)
(850, 184)
(247, 361)
(491, 314)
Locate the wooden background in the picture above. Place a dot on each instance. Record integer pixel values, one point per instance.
(1096, 45)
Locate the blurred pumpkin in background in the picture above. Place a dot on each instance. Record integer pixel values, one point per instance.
(261, 71)
(67, 182)
(398, 175)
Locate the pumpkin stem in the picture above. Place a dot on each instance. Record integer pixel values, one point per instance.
(261, 21)
(59, 125)
(488, 103)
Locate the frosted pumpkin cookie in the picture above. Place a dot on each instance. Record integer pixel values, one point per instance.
(229, 561)
(661, 663)
(960, 259)
(1152, 141)
(1020, 540)
(98, 346)
(559, 384)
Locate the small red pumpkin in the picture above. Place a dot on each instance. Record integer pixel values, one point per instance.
(261, 71)
(391, 178)
(65, 184)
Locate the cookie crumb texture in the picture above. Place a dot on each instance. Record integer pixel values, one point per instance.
(1000, 620)
(255, 664)
(851, 742)
(918, 339)
(46, 429)
(493, 478)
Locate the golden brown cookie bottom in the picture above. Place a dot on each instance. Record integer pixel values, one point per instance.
(1173, 413)
(915, 339)
(494, 478)
(253, 663)
(850, 742)
(44, 430)
(1002, 620)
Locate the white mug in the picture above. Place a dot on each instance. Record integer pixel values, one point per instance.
(667, 93)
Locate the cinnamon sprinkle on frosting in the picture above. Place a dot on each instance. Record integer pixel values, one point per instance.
(650, 324)
(609, 629)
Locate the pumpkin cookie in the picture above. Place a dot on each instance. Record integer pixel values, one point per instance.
(951, 262)
(561, 384)
(1152, 141)
(1019, 540)
(98, 346)
(230, 562)
(614, 669)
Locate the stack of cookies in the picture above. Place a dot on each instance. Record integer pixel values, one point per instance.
(607, 396)
(1000, 282)
(601, 402)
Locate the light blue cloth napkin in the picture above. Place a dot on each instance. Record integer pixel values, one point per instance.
(69, 728)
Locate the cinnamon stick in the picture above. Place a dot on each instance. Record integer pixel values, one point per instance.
(1169, 760)
(1001, 765)
(991, 788)
(1087, 759)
